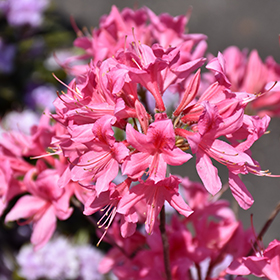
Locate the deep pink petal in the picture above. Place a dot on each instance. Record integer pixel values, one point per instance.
(240, 192)
(178, 203)
(161, 135)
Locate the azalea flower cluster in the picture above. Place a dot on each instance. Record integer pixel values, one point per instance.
(111, 148)
(202, 246)
(209, 244)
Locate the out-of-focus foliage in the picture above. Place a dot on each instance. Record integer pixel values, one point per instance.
(27, 46)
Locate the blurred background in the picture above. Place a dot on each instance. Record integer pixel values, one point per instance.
(246, 24)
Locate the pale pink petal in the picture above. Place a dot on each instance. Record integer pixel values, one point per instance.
(175, 156)
(129, 200)
(120, 152)
(237, 267)
(44, 228)
(217, 65)
(137, 140)
(107, 176)
(228, 154)
(208, 173)
(256, 266)
(82, 133)
(136, 165)
(62, 208)
(26, 207)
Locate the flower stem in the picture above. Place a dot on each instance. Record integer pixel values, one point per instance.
(265, 227)
(165, 244)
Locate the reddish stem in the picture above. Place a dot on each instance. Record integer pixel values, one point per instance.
(265, 227)
(165, 244)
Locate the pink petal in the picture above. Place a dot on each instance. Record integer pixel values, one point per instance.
(240, 192)
(208, 173)
(136, 165)
(127, 229)
(137, 140)
(27, 206)
(180, 205)
(175, 156)
(44, 228)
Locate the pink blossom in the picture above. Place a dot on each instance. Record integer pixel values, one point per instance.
(155, 150)
(109, 200)
(155, 194)
(217, 65)
(247, 73)
(42, 206)
(205, 145)
(116, 31)
(100, 161)
(266, 264)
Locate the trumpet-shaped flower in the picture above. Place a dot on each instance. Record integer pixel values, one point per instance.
(156, 149)
(155, 195)
(100, 161)
(43, 205)
(205, 145)
(265, 264)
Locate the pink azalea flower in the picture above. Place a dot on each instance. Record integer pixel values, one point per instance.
(249, 74)
(100, 161)
(189, 93)
(115, 33)
(10, 186)
(155, 195)
(109, 200)
(217, 65)
(156, 149)
(42, 206)
(205, 145)
(123, 265)
(217, 238)
(264, 264)
(155, 68)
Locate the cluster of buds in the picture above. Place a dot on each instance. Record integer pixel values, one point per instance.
(140, 105)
